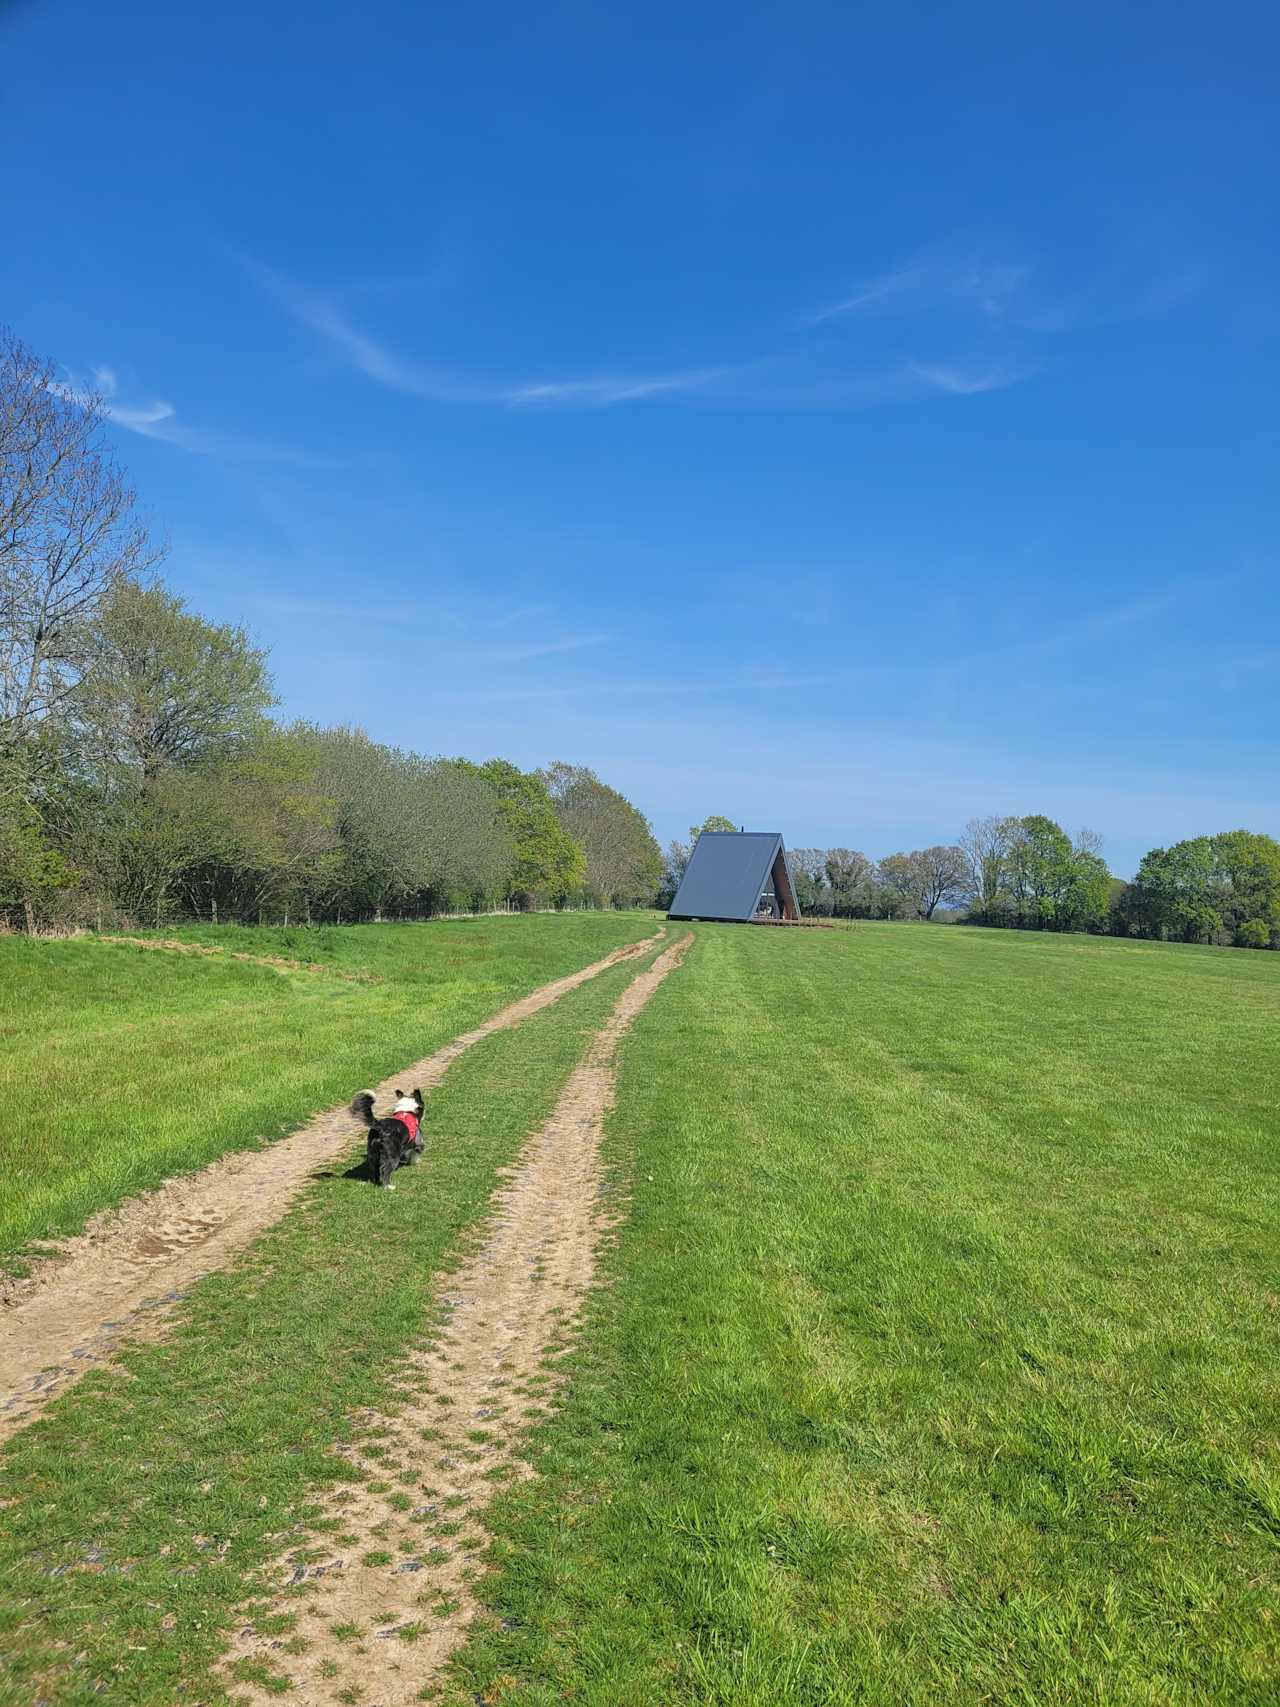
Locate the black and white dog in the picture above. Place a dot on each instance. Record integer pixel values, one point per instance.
(394, 1139)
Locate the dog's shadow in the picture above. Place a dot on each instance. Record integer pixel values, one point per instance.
(357, 1171)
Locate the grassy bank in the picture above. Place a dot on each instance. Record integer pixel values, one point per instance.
(940, 1360)
(134, 1513)
(124, 1065)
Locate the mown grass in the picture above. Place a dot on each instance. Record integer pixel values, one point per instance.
(133, 1514)
(942, 1356)
(122, 1066)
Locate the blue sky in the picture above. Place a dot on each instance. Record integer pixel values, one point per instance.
(850, 419)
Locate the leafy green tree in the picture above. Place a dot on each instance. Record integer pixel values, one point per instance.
(1247, 866)
(1085, 904)
(1175, 893)
(466, 847)
(164, 686)
(32, 870)
(715, 822)
(138, 847)
(1040, 869)
(623, 861)
(548, 863)
(1047, 881)
(258, 829)
(415, 835)
(1209, 889)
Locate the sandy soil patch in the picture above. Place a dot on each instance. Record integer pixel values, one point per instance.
(277, 962)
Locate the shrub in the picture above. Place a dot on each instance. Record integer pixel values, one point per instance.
(1253, 933)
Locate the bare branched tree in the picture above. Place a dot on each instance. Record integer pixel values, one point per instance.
(985, 844)
(68, 535)
(943, 878)
(924, 879)
(675, 862)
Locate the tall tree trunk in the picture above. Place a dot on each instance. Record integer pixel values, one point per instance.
(29, 914)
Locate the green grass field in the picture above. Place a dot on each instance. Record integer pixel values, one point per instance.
(135, 1064)
(938, 1359)
(942, 1356)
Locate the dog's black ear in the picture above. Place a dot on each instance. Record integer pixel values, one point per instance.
(399, 1093)
(417, 1093)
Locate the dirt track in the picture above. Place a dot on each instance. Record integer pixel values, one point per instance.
(467, 1397)
(122, 1275)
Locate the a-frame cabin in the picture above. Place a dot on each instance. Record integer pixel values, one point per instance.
(737, 876)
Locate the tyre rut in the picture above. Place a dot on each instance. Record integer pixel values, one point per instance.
(121, 1277)
(384, 1609)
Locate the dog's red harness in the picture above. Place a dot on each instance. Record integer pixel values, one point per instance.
(409, 1122)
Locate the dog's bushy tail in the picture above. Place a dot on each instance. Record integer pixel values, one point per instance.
(362, 1108)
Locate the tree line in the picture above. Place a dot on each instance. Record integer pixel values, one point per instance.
(1029, 874)
(143, 778)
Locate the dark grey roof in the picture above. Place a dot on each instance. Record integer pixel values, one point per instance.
(726, 874)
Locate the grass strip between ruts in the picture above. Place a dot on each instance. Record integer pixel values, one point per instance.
(136, 1510)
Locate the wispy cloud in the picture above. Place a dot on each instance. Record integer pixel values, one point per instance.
(970, 381)
(796, 376)
(326, 317)
(888, 288)
(805, 382)
(611, 389)
(989, 289)
(156, 420)
(543, 648)
(1000, 295)
(159, 420)
(1007, 295)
